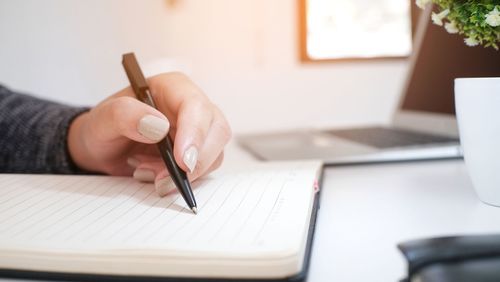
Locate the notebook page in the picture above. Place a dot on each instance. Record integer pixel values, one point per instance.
(263, 207)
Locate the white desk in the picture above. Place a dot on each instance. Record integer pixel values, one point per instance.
(366, 210)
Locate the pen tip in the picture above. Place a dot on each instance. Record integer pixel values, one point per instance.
(195, 211)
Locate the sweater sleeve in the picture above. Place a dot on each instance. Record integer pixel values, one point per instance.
(33, 134)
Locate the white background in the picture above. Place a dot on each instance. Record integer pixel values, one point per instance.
(243, 53)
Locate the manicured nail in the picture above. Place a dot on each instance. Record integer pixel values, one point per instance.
(133, 162)
(144, 175)
(153, 128)
(191, 158)
(164, 186)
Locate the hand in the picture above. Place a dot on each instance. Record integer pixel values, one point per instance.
(118, 136)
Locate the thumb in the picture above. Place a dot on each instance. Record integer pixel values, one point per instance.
(128, 117)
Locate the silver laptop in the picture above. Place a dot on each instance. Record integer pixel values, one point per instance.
(423, 126)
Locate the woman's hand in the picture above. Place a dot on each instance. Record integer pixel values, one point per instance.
(118, 136)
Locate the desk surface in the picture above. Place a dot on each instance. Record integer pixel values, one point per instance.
(366, 210)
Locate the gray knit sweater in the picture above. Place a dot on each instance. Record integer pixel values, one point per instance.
(33, 134)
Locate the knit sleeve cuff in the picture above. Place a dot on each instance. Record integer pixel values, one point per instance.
(59, 158)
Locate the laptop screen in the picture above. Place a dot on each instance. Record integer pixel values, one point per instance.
(443, 57)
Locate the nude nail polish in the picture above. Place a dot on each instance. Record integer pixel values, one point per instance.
(190, 158)
(144, 175)
(164, 186)
(153, 128)
(133, 162)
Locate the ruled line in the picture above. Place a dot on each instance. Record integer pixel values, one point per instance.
(26, 198)
(81, 204)
(152, 220)
(75, 212)
(270, 213)
(164, 224)
(7, 186)
(252, 211)
(130, 208)
(35, 212)
(118, 205)
(233, 212)
(193, 233)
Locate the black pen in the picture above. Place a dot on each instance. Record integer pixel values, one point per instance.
(141, 90)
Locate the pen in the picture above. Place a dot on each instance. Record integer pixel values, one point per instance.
(141, 90)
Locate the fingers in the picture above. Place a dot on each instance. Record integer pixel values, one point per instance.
(152, 169)
(201, 131)
(128, 117)
(113, 131)
(171, 90)
(144, 173)
(212, 148)
(155, 171)
(164, 184)
(193, 124)
(190, 112)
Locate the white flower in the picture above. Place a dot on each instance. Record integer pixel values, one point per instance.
(438, 18)
(493, 18)
(421, 3)
(471, 41)
(451, 27)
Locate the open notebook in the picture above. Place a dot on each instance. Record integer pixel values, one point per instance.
(251, 224)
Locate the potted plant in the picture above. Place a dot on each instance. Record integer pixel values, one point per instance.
(477, 100)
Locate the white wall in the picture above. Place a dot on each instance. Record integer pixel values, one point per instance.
(242, 53)
(71, 50)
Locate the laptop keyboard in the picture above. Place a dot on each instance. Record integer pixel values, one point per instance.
(381, 137)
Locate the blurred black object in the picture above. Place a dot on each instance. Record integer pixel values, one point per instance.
(458, 259)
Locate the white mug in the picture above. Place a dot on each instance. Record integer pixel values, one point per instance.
(477, 102)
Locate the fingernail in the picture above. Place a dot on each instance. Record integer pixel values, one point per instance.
(153, 128)
(191, 158)
(133, 162)
(164, 186)
(144, 175)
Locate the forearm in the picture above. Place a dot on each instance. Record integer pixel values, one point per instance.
(33, 134)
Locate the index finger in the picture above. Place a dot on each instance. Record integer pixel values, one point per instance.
(190, 114)
(171, 90)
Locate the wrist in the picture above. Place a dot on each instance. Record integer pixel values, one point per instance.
(76, 143)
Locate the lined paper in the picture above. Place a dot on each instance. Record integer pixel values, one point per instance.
(260, 208)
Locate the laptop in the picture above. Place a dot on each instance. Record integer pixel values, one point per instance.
(423, 126)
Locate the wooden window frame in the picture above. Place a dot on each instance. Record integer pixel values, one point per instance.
(302, 38)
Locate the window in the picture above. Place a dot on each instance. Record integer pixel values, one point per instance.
(354, 29)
